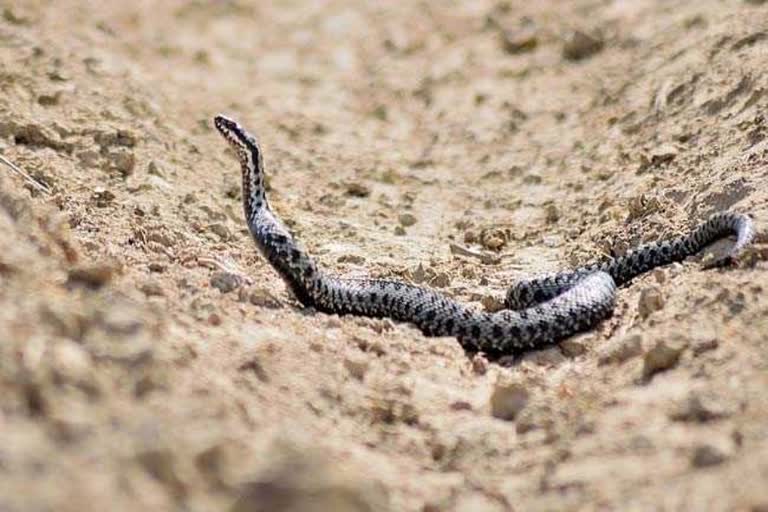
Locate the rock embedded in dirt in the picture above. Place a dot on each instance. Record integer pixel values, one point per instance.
(406, 219)
(574, 346)
(71, 363)
(710, 454)
(156, 267)
(152, 289)
(701, 407)
(548, 357)
(622, 349)
(156, 169)
(536, 416)
(701, 346)
(102, 196)
(494, 238)
(220, 230)
(33, 134)
(226, 282)
(122, 160)
(508, 400)
(218, 463)
(494, 243)
(663, 356)
(519, 40)
(460, 405)
(663, 154)
(357, 189)
(301, 475)
(121, 137)
(579, 45)
(441, 280)
(492, 303)
(480, 364)
(91, 275)
(650, 301)
(552, 214)
(162, 465)
(355, 259)
(357, 366)
(88, 157)
(264, 298)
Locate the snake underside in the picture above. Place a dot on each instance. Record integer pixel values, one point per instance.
(542, 310)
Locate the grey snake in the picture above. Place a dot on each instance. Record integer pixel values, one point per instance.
(541, 310)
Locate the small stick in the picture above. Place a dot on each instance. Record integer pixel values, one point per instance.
(488, 259)
(32, 181)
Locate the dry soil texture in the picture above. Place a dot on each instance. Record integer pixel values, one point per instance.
(139, 370)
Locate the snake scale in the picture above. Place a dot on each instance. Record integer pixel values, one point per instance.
(541, 310)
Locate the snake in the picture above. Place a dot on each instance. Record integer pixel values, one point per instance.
(538, 312)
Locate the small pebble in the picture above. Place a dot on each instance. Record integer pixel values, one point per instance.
(122, 159)
(263, 298)
(460, 405)
(407, 219)
(622, 350)
(491, 303)
(356, 366)
(399, 230)
(535, 417)
(701, 346)
(493, 243)
(701, 407)
(216, 462)
(546, 357)
(521, 40)
(226, 282)
(419, 275)
(102, 196)
(88, 157)
(94, 275)
(155, 169)
(152, 289)
(663, 356)
(70, 362)
(121, 137)
(441, 280)
(162, 465)
(706, 455)
(480, 364)
(356, 189)
(508, 399)
(351, 258)
(552, 214)
(493, 239)
(156, 267)
(574, 346)
(663, 154)
(333, 322)
(221, 230)
(580, 45)
(650, 300)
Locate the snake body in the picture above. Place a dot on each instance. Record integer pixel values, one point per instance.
(542, 310)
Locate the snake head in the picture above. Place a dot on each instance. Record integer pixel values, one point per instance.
(245, 145)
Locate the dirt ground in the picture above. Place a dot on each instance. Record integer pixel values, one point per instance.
(460, 145)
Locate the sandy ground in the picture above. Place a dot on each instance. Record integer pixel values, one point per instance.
(136, 373)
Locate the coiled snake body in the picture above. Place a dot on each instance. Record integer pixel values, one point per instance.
(542, 310)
